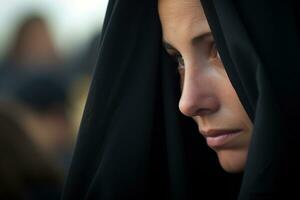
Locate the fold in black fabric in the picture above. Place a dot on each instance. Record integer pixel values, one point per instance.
(133, 142)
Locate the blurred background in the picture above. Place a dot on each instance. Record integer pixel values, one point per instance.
(48, 50)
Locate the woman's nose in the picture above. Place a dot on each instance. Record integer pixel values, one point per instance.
(198, 96)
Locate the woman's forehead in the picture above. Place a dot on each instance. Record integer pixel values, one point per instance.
(180, 8)
(182, 18)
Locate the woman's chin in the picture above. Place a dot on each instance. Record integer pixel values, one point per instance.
(232, 161)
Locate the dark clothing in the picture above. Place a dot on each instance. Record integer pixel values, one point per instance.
(133, 142)
(259, 45)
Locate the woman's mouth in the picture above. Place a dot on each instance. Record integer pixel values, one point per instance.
(218, 138)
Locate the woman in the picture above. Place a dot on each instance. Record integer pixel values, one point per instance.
(207, 94)
(135, 144)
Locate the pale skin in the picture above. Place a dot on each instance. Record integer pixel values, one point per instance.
(207, 94)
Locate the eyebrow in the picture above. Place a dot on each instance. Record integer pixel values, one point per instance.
(195, 40)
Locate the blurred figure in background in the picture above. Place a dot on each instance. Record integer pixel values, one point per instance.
(45, 117)
(33, 47)
(25, 172)
(32, 51)
(34, 75)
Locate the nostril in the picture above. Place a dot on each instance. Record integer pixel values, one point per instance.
(204, 111)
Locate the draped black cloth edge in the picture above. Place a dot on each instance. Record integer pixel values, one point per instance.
(264, 37)
(133, 143)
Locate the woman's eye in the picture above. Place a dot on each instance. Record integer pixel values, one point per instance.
(214, 51)
(179, 60)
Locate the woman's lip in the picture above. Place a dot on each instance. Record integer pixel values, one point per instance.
(218, 138)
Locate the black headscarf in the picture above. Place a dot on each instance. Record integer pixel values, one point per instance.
(259, 44)
(133, 142)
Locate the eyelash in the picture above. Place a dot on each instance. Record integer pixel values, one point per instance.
(212, 53)
(179, 60)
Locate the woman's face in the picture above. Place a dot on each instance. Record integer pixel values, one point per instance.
(207, 94)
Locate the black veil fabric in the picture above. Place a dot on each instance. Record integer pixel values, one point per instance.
(259, 45)
(134, 144)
